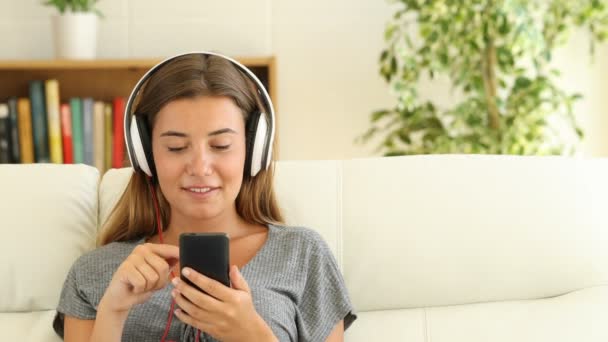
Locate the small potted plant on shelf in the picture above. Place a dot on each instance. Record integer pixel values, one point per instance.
(75, 28)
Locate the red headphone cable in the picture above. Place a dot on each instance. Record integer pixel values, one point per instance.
(159, 226)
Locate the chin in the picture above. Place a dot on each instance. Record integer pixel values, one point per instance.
(202, 213)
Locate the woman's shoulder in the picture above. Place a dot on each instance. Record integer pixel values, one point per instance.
(299, 235)
(298, 232)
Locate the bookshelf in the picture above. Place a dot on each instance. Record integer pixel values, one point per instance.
(102, 79)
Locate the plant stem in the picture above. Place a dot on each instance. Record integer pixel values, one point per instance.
(490, 84)
(489, 64)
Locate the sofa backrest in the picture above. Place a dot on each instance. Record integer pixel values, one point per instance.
(440, 230)
(455, 248)
(49, 218)
(447, 230)
(421, 240)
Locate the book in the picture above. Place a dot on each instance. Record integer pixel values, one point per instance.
(26, 136)
(51, 88)
(87, 129)
(14, 122)
(108, 135)
(5, 134)
(118, 152)
(39, 121)
(98, 136)
(66, 133)
(77, 130)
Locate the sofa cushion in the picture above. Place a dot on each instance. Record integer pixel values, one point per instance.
(443, 230)
(49, 219)
(576, 316)
(112, 186)
(408, 325)
(309, 195)
(33, 326)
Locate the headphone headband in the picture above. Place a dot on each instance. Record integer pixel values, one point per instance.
(270, 116)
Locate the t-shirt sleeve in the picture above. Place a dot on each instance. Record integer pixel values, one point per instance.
(73, 301)
(325, 300)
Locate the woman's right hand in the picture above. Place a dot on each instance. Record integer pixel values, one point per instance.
(146, 270)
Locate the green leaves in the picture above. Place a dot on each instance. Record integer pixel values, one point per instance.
(59, 4)
(74, 6)
(496, 54)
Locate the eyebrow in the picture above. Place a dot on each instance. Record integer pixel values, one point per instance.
(184, 135)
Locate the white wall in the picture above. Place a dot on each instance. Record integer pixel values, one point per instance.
(327, 52)
(582, 74)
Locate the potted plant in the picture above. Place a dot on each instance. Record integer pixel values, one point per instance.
(75, 28)
(497, 57)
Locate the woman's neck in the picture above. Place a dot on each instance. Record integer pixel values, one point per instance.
(231, 224)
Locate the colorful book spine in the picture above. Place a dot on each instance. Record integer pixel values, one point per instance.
(26, 138)
(98, 136)
(118, 153)
(77, 130)
(54, 126)
(87, 126)
(108, 135)
(5, 155)
(39, 121)
(66, 133)
(14, 122)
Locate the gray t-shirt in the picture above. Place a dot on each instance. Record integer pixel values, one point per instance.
(295, 282)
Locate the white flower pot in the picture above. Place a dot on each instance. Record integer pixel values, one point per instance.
(75, 35)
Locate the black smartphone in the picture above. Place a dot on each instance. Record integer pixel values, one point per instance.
(206, 253)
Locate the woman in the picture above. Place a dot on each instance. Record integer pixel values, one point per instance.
(201, 111)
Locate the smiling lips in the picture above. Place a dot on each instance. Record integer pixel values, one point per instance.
(200, 190)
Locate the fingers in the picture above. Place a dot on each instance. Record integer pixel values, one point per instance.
(189, 306)
(148, 261)
(216, 310)
(135, 279)
(161, 257)
(144, 271)
(212, 287)
(167, 252)
(194, 295)
(187, 319)
(149, 274)
(237, 280)
(161, 267)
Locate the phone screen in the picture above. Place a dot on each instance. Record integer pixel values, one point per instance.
(206, 253)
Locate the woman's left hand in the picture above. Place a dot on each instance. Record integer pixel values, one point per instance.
(225, 313)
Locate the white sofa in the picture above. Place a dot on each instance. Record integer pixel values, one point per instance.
(443, 248)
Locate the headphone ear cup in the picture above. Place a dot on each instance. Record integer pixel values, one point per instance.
(256, 132)
(142, 145)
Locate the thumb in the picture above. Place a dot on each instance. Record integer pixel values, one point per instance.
(237, 280)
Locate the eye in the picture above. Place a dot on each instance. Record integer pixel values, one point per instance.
(175, 149)
(221, 147)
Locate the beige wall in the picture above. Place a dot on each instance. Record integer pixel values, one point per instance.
(326, 51)
(582, 74)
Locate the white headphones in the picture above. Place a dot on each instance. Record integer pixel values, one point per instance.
(259, 126)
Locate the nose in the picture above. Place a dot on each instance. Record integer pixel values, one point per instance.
(200, 163)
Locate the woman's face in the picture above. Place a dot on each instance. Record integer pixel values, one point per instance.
(199, 153)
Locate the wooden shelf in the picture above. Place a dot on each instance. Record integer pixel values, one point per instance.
(102, 79)
(108, 63)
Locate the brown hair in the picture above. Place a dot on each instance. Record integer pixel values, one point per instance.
(190, 76)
